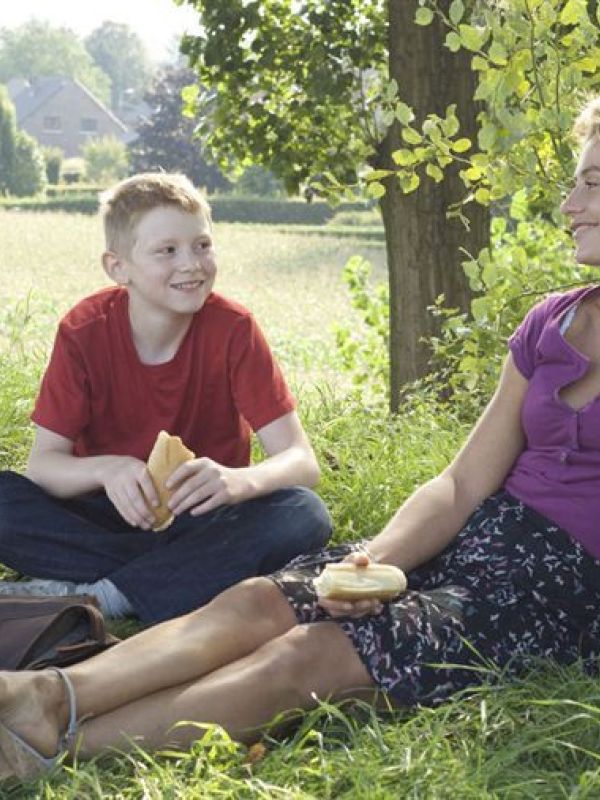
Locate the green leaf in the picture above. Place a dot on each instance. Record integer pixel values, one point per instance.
(404, 113)
(457, 9)
(434, 172)
(482, 196)
(497, 53)
(375, 190)
(411, 136)
(487, 136)
(410, 182)
(377, 174)
(423, 16)
(453, 42)
(480, 307)
(470, 37)
(573, 12)
(461, 145)
(403, 158)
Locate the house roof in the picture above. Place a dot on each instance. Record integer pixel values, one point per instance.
(29, 96)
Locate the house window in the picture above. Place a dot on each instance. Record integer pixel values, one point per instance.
(89, 125)
(52, 124)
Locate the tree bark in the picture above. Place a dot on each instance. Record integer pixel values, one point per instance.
(423, 245)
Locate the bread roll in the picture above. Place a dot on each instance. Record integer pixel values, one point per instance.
(347, 581)
(167, 454)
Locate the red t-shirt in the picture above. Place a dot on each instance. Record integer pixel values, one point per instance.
(222, 382)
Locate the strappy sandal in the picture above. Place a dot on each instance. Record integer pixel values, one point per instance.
(25, 760)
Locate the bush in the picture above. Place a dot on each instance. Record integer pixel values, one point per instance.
(73, 170)
(107, 160)
(53, 157)
(29, 171)
(230, 208)
(257, 180)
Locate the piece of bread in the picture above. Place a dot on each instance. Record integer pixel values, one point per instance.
(167, 454)
(347, 581)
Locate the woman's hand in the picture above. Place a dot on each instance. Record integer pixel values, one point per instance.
(129, 487)
(352, 608)
(202, 484)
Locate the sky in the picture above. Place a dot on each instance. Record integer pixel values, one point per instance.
(157, 22)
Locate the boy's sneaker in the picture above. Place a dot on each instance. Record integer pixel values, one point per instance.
(38, 586)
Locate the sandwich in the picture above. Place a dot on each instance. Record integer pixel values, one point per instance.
(168, 453)
(347, 581)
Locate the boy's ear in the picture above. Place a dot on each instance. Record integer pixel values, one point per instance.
(115, 268)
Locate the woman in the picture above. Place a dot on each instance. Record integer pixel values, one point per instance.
(501, 552)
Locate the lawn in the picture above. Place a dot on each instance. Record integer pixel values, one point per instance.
(537, 738)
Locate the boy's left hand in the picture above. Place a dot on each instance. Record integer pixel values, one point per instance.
(202, 484)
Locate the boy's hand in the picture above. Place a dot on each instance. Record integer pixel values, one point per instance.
(352, 608)
(129, 486)
(202, 484)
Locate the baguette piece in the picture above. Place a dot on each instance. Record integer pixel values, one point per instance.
(167, 454)
(347, 581)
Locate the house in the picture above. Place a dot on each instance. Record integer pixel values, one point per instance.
(60, 112)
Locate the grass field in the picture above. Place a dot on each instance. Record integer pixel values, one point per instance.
(536, 738)
(55, 258)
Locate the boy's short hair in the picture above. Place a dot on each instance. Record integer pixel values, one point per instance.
(124, 204)
(587, 124)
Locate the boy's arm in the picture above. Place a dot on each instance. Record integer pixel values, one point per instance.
(203, 484)
(125, 479)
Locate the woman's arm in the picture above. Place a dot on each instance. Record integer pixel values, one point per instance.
(436, 512)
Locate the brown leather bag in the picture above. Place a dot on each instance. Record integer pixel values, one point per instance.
(38, 632)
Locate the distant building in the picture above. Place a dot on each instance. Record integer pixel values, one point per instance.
(60, 112)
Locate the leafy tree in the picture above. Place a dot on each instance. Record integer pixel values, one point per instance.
(8, 133)
(29, 172)
(304, 89)
(166, 139)
(106, 160)
(37, 48)
(121, 54)
(256, 180)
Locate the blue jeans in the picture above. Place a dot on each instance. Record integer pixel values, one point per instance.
(163, 574)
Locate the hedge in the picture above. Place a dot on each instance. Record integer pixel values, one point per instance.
(225, 209)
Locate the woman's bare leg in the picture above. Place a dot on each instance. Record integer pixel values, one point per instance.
(290, 672)
(234, 624)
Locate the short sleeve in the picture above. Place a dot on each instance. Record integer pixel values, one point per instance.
(523, 343)
(63, 402)
(259, 389)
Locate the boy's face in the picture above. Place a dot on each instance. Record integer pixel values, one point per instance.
(171, 266)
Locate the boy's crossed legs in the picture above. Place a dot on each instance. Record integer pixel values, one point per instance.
(161, 575)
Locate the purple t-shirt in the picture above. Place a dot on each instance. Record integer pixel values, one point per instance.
(558, 472)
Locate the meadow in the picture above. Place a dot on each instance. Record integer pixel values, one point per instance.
(535, 738)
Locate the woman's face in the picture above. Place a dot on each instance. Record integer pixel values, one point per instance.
(582, 205)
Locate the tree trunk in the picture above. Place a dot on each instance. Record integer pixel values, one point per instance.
(423, 253)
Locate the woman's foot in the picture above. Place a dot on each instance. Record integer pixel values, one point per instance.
(34, 706)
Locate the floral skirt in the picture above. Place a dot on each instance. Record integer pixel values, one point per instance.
(511, 587)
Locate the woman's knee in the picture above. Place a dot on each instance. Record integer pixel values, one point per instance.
(313, 661)
(258, 600)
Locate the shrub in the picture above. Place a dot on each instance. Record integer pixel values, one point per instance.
(53, 157)
(73, 170)
(8, 134)
(29, 171)
(106, 159)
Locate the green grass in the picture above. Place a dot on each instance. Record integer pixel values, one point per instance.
(535, 738)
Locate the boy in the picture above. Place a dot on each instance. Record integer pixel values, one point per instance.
(159, 350)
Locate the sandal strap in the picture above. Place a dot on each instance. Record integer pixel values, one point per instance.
(68, 738)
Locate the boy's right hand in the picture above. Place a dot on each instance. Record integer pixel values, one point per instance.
(129, 487)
